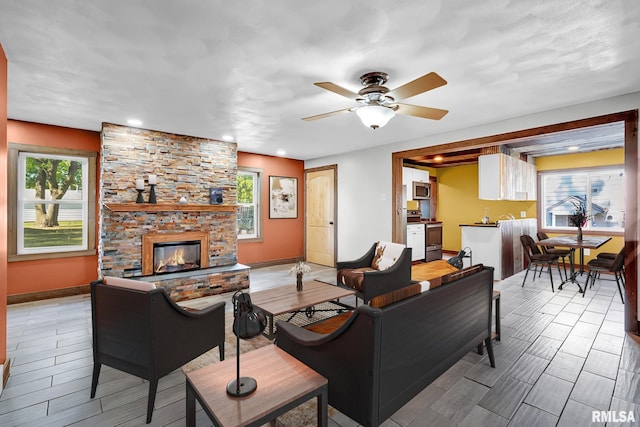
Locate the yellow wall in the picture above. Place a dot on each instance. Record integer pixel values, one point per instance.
(458, 201)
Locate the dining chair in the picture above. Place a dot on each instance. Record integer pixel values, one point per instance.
(562, 253)
(609, 266)
(536, 258)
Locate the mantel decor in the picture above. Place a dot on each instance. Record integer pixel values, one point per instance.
(283, 197)
(168, 207)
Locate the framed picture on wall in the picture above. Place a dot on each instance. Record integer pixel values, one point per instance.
(283, 197)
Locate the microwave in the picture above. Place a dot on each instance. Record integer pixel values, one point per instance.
(421, 190)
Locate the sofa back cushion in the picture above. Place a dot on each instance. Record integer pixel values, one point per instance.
(129, 283)
(386, 255)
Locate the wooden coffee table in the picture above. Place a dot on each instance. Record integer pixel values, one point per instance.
(283, 383)
(286, 299)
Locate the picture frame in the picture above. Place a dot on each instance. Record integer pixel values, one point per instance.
(283, 197)
(215, 196)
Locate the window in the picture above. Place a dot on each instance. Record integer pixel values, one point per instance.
(53, 191)
(249, 201)
(601, 190)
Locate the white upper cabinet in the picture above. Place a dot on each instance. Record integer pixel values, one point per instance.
(409, 175)
(502, 177)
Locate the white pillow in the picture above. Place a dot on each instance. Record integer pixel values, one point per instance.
(387, 254)
(129, 283)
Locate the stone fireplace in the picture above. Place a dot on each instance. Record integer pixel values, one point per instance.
(190, 249)
(174, 252)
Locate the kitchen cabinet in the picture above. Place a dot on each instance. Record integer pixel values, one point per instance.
(416, 241)
(409, 175)
(503, 177)
(498, 245)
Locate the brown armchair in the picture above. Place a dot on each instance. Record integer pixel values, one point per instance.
(146, 334)
(370, 277)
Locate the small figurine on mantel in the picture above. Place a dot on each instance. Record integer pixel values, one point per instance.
(183, 200)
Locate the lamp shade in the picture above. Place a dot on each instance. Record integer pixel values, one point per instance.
(247, 323)
(375, 116)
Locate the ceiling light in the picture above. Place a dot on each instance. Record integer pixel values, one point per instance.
(573, 148)
(134, 122)
(375, 116)
(438, 158)
(281, 152)
(228, 138)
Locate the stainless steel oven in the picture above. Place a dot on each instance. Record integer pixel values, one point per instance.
(433, 242)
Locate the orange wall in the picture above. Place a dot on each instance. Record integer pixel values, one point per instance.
(282, 238)
(41, 275)
(3, 206)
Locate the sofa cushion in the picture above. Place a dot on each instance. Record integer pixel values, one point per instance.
(434, 283)
(386, 255)
(129, 283)
(395, 296)
(353, 278)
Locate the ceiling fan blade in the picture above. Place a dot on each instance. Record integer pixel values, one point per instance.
(417, 86)
(338, 89)
(333, 113)
(418, 111)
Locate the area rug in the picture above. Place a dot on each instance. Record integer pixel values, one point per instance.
(302, 416)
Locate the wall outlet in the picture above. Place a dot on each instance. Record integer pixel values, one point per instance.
(523, 214)
(587, 252)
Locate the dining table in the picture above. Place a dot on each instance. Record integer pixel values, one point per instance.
(572, 242)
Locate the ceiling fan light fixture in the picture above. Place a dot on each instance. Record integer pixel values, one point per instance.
(375, 116)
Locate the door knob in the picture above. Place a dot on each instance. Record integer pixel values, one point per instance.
(330, 222)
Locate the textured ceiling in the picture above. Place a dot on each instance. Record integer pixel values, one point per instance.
(247, 68)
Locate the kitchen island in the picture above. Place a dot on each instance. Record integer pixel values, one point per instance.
(498, 244)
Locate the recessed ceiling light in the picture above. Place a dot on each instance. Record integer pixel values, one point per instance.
(438, 158)
(227, 138)
(281, 152)
(134, 122)
(573, 148)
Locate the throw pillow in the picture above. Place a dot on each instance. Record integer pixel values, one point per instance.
(386, 255)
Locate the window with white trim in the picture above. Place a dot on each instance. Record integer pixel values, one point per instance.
(54, 199)
(600, 189)
(249, 201)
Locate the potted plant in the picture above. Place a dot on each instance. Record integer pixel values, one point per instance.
(299, 269)
(579, 217)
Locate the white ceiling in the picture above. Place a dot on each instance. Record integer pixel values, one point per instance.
(246, 68)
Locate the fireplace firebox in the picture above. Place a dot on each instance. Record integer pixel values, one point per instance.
(174, 252)
(172, 257)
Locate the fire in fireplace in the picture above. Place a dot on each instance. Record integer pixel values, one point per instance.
(171, 257)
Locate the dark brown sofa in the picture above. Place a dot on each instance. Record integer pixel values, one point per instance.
(380, 358)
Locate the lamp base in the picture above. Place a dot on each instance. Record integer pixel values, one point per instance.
(247, 386)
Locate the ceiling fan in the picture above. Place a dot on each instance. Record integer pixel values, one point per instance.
(379, 103)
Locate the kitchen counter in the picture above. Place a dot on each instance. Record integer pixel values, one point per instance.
(498, 245)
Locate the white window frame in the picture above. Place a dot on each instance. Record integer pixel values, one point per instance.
(16, 177)
(590, 173)
(257, 204)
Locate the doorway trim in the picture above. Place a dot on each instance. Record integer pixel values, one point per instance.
(632, 204)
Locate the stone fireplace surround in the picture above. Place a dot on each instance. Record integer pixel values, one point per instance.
(184, 166)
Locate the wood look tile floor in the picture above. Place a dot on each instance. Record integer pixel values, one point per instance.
(561, 357)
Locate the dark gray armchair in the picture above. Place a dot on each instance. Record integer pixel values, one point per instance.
(146, 334)
(370, 282)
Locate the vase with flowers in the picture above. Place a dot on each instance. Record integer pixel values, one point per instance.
(579, 217)
(299, 269)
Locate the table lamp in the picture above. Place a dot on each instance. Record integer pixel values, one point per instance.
(247, 323)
